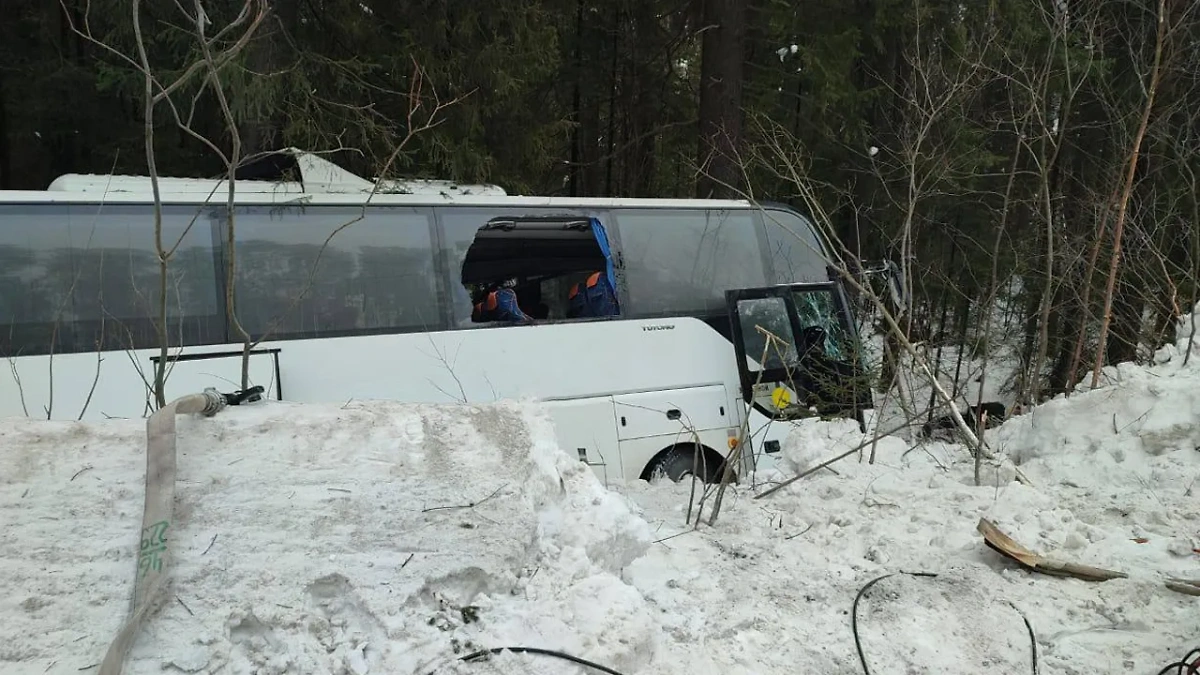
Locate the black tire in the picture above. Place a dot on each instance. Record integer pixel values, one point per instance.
(680, 463)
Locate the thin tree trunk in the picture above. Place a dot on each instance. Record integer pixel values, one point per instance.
(5, 148)
(1067, 320)
(1127, 311)
(1085, 301)
(994, 285)
(610, 137)
(1123, 205)
(575, 170)
(160, 368)
(1031, 303)
(1195, 261)
(1166, 300)
(1049, 170)
(994, 290)
(1043, 341)
(721, 73)
(937, 356)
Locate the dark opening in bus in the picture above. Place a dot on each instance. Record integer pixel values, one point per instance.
(540, 268)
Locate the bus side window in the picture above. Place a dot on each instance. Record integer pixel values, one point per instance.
(795, 251)
(681, 261)
(458, 227)
(374, 275)
(82, 277)
(546, 252)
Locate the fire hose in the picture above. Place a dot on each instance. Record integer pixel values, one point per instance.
(159, 509)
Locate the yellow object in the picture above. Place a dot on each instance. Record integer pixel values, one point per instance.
(781, 398)
(733, 443)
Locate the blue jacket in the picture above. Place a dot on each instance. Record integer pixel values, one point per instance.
(499, 305)
(594, 297)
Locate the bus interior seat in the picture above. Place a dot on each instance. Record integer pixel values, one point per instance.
(530, 300)
(591, 297)
(547, 254)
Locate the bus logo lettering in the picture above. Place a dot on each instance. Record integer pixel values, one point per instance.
(665, 326)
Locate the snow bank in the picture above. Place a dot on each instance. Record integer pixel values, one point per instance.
(771, 587)
(1120, 464)
(319, 539)
(387, 539)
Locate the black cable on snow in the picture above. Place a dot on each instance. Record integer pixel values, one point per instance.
(1188, 665)
(476, 656)
(862, 659)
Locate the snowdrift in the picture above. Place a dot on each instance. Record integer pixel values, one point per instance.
(384, 538)
(1126, 453)
(770, 589)
(369, 538)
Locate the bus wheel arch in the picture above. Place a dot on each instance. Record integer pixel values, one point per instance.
(677, 462)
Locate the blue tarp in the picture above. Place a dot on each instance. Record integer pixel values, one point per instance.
(603, 240)
(606, 250)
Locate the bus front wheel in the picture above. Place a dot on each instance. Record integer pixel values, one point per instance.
(681, 462)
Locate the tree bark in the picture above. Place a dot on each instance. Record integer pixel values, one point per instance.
(575, 171)
(1123, 205)
(721, 74)
(613, 85)
(5, 149)
(1126, 330)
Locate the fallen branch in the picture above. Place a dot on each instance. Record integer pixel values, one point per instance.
(1006, 546)
(469, 505)
(1185, 586)
(804, 531)
(827, 462)
(677, 534)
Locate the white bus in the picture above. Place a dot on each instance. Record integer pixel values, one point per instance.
(381, 310)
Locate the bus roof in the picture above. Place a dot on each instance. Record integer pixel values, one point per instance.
(293, 175)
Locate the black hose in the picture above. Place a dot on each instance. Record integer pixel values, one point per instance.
(1189, 665)
(862, 659)
(1032, 637)
(475, 656)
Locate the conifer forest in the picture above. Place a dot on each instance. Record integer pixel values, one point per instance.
(1036, 154)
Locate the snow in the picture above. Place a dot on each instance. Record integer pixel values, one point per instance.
(317, 539)
(965, 378)
(386, 538)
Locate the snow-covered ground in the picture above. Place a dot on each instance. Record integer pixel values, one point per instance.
(384, 538)
(318, 539)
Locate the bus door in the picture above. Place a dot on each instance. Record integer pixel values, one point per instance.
(798, 356)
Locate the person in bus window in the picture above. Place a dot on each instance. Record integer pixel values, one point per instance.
(593, 297)
(499, 303)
